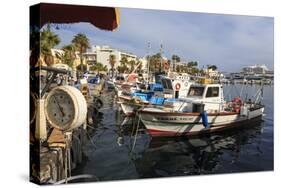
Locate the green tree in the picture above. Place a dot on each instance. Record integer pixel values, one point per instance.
(177, 68)
(132, 64)
(154, 61)
(181, 68)
(122, 69)
(192, 64)
(98, 67)
(112, 62)
(139, 69)
(194, 71)
(48, 40)
(81, 43)
(176, 58)
(124, 60)
(81, 67)
(213, 67)
(123, 65)
(68, 56)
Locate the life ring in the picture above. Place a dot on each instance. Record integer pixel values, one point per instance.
(237, 100)
(178, 86)
(236, 104)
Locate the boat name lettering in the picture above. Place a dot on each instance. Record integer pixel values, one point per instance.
(175, 119)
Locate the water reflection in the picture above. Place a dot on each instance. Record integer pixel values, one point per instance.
(109, 153)
(199, 155)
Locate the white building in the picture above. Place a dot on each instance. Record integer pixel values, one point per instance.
(213, 73)
(101, 54)
(255, 69)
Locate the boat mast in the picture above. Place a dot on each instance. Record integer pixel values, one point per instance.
(148, 61)
(161, 62)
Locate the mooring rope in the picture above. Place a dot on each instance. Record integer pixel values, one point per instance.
(135, 139)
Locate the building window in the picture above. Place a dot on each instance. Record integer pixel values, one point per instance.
(212, 92)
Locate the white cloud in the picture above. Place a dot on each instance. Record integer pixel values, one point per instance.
(225, 40)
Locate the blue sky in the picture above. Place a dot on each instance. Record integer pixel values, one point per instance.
(227, 41)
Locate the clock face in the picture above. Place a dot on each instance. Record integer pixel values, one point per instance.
(60, 108)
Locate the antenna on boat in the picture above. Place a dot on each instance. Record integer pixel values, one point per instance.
(259, 95)
(241, 91)
(262, 91)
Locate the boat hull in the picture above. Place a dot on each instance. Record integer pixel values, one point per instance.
(128, 110)
(182, 124)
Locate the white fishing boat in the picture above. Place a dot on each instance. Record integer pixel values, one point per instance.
(174, 86)
(204, 110)
(126, 83)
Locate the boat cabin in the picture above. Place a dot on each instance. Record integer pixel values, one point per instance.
(175, 87)
(208, 96)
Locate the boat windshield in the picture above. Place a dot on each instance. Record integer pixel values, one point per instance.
(195, 91)
(120, 78)
(167, 84)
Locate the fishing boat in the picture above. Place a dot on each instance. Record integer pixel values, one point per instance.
(130, 102)
(203, 110)
(170, 88)
(127, 83)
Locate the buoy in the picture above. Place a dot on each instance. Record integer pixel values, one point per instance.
(204, 117)
(236, 104)
(178, 86)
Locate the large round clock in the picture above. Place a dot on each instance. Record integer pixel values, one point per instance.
(65, 108)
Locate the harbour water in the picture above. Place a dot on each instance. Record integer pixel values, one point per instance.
(110, 152)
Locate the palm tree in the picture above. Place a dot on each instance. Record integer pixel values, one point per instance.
(177, 68)
(123, 65)
(48, 40)
(139, 70)
(192, 64)
(213, 67)
(123, 61)
(155, 62)
(132, 65)
(112, 61)
(81, 43)
(68, 56)
(98, 67)
(176, 58)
